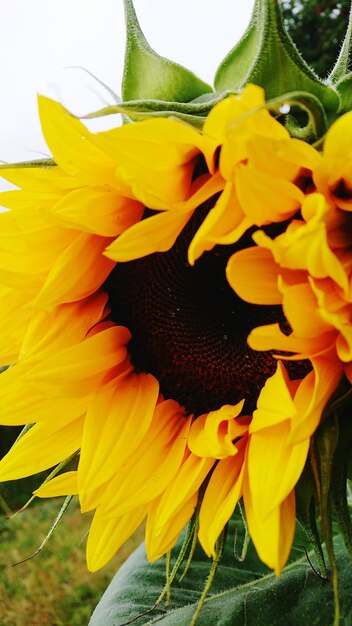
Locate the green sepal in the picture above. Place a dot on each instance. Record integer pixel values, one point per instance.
(150, 76)
(36, 163)
(302, 104)
(340, 465)
(266, 56)
(341, 67)
(306, 514)
(341, 77)
(344, 89)
(324, 443)
(51, 531)
(194, 112)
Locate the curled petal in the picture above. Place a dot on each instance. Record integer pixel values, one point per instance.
(212, 435)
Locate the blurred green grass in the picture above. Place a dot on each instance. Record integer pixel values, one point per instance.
(54, 588)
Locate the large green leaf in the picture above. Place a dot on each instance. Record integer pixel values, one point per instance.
(242, 593)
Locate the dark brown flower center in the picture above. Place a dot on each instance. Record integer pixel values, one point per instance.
(189, 328)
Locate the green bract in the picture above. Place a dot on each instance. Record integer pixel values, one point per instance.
(265, 55)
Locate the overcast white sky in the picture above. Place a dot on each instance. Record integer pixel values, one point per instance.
(40, 39)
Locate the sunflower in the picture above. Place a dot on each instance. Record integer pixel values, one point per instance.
(127, 326)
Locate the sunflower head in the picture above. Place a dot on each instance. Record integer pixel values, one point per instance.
(176, 297)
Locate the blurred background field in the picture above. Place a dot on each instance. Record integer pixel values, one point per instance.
(54, 588)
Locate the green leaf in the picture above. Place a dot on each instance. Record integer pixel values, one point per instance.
(242, 593)
(148, 75)
(267, 57)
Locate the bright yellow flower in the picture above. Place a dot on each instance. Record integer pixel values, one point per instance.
(143, 367)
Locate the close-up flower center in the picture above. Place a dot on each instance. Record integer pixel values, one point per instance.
(188, 326)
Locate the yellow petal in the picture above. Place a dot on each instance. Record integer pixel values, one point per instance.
(19, 200)
(265, 198)
(28, 245)
(116, 423)
(66, 325)
(335, 311)
(313, 394)
(159, 233)
(154, 234)
(71, 145)
(154, 464)
(98, 211)
(27, 282)
(46, 444)
(107, 536)
(272, 537)
(43, 179)
(270, 337)
(222, 116)
(221, 496)
(77, 273)
(159, 540)
(275, 403)
(14, 320)
(301, 310)
(21, 404)
(282, 159)
(270, 448)
(243, 110)
(176, 506)
(155, 157)
(62, 485)
(81, 368)
(224, 224)
(253, 275)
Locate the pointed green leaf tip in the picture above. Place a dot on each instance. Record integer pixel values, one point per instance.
(150, 76)
(342, 65)
(341, 77)
(267, 56)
